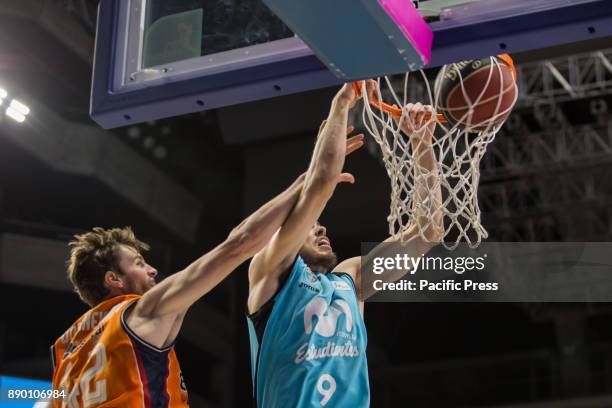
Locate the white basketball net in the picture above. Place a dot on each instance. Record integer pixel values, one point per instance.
(457, 151)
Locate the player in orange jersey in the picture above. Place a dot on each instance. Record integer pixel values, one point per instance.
(120, 353)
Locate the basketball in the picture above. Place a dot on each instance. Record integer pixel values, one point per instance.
(476, 94)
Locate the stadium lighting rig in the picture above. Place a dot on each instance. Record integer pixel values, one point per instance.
(15, 110)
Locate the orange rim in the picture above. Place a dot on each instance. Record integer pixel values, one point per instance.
(507, 59)
(392, 109)
(397, 112)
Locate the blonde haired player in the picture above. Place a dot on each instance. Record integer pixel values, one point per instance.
(121, 352)
(307, 332)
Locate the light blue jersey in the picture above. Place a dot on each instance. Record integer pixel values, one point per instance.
(308, 344)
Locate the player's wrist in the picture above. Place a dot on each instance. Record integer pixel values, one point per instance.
(340, 105)
(343, 100)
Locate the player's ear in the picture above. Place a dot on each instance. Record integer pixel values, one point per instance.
(112, 280)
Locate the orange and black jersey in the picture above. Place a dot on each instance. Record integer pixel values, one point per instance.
(99, 362)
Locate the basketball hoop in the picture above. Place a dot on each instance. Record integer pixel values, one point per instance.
(471, 99)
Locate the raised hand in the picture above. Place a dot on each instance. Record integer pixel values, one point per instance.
(346, 96)
(373, 91)
(353, 143)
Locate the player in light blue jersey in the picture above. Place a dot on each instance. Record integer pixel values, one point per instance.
(308, 337)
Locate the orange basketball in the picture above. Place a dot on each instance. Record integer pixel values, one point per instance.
(476, 94)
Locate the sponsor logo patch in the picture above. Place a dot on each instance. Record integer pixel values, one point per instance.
(311, 288)
(339, 285)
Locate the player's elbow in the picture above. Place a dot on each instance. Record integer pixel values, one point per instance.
(242, 241)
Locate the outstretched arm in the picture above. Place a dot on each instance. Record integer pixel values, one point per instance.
(157, 314)
(324, 173)
(427, 188)
(427, 229)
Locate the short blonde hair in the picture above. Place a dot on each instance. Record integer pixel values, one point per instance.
(93, 254)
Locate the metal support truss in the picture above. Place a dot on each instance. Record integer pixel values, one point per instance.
(567, 78)
(573, 205)
(544, 177)
(519, 152)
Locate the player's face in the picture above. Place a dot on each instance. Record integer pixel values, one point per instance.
(138, 276)
(317, 250)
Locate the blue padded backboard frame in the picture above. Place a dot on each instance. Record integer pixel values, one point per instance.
(355, 38)
(489, 28)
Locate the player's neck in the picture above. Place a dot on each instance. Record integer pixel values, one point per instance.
(319, 269)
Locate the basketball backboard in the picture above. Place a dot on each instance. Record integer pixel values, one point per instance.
(161, 58)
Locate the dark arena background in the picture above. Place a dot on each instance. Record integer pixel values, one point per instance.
(184, 182)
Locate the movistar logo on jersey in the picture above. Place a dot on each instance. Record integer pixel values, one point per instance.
(327, 318)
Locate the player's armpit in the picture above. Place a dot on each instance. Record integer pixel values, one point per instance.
(352, 266)
(155, 331)
(262, 291)
(414, 245)
(176, 328)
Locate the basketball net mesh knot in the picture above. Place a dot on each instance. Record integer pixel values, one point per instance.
(456, 151)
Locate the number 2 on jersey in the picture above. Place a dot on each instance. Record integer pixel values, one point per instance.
(98, 394)
(90, 395)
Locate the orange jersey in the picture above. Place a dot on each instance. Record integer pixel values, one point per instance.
(99, 362)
